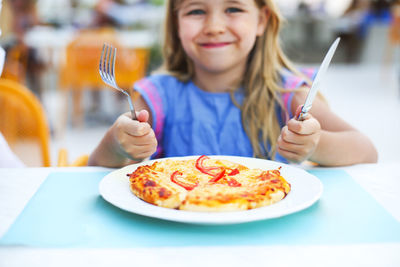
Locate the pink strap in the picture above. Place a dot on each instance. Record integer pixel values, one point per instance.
(293, 82)
(156, 102)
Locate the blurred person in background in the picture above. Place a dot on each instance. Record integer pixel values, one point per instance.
(349, 27)
(378, 13)
(142, 13)
(7, 158)
(22, 62)
(103, 16)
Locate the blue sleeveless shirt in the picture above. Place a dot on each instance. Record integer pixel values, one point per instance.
(190, 121)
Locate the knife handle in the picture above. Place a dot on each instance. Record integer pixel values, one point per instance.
(302, 116)
(302, 112)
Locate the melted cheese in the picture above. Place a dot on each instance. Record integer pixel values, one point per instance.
(247, 189)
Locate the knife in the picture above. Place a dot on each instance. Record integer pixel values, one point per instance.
(317, 81)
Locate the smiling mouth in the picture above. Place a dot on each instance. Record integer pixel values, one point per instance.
(214, 45)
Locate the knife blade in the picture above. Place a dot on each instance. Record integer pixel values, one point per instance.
(317, 81)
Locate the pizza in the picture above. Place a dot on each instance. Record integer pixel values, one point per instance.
(207, 184)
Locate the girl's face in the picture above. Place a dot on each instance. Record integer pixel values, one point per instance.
(218, 35)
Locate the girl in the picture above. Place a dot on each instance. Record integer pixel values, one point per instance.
(228, 89)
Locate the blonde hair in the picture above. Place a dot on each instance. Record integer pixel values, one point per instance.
(261, 82)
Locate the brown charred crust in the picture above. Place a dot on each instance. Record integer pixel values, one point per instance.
(149, 183)
(147, 189)
(164, 193)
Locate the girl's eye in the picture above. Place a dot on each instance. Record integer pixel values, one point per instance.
(233, 10)
(196, 12)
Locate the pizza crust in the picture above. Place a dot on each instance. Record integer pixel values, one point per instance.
(154, 187)
(214, 186)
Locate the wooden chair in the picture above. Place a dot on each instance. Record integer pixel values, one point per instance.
(80, 70)
(16, 63)
(63, 159)
(24, 125)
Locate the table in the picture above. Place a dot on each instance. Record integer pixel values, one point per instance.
(51, 42)
(51, 45)
(381, 181)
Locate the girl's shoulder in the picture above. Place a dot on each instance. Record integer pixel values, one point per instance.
(160, 80)
(159, 87)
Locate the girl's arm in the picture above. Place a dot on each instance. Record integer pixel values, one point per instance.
(127, 141)
(324, 138)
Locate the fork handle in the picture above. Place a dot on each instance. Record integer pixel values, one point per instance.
(133, 113)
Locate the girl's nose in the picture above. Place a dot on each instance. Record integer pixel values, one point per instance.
(214, 24)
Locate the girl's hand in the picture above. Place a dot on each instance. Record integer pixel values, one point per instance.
(299, 139)
(135, 140)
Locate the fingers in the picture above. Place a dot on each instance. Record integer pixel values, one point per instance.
(134, 127)
(139, 147)
(142, 116)
(290, 137)
(298, 139)
(294, 152)
(306, 127)
(289, 155)
(136, 138)
(297, 148)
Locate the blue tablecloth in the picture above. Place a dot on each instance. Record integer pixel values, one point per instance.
(67, 211)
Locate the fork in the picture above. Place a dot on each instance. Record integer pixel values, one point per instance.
(107, 72)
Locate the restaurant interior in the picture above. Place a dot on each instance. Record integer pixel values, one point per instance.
(53, 49)
(55, 109)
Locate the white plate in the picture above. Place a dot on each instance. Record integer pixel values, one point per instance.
(306, 189)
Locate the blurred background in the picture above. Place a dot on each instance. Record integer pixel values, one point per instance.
(53, 49)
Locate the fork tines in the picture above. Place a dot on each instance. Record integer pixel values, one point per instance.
(107, 64)
(107, 73)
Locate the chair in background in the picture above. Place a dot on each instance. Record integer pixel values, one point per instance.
(24, 125)
(16, 63)
(80, 69)
(63, 159)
